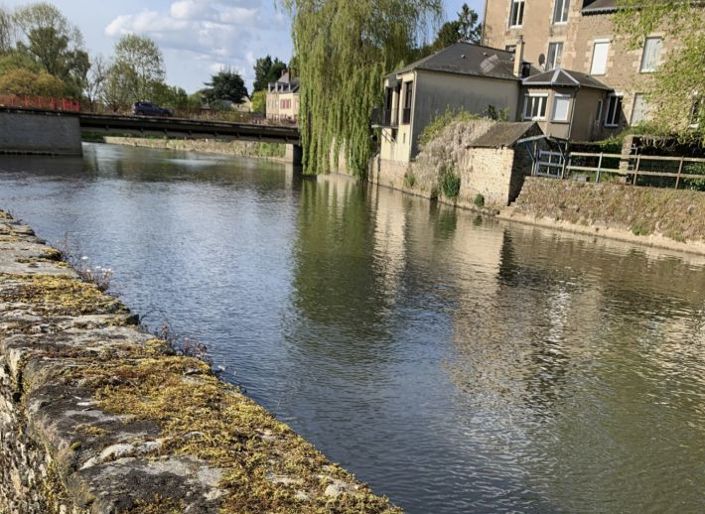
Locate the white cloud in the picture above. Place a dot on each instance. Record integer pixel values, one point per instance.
(210, 35)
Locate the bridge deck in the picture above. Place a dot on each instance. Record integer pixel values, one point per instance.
(175, 127)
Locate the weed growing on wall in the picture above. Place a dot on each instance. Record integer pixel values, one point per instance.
(449, 182)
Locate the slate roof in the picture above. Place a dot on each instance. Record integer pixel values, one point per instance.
(467, 59)
(559, 77)
(504, 134)
(599, 6)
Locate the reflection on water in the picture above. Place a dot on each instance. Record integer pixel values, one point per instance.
(455, 363)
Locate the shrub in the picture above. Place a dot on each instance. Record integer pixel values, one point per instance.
(640, 230)
(449, 182)
(409, 179)
(440, 122)
(479, 201)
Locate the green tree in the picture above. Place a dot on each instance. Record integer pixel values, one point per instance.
(54, 43)
(226, 85)
(465, 28)
(675, 93)
(266, 71)
(344, 49)
(21, 81)
(7, 31)
(140, 62)
(259, 102)
(172, 97)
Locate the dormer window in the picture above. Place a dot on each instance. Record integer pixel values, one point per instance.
(516, 15)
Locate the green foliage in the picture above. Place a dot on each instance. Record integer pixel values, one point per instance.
(138, 68)
(226, 85)
(20, 81)
(440, 122)
(497, 114)
(344, 49)
(680, 81)
(464, 28)
(44, 36)
(18, 60)
(266, 71)
(409, 179)
(259, 102)
(172, 97)
(449, 182)
(270, 150)
(479, 201)
(640, 230)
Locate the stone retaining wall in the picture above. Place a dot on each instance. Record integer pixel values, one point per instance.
(270, 151)
(645, 214)
(97, 416)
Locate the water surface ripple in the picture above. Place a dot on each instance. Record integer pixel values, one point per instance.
(457, 364)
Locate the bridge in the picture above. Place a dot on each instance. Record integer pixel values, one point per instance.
(188, 128)
(30, 130)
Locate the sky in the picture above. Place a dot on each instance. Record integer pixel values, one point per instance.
(198, 37)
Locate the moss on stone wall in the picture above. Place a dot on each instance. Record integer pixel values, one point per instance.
(675, 214)
(98, 416)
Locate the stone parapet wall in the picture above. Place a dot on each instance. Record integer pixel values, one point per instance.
(97, 416)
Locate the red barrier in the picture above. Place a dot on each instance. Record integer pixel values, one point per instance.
(40, 102)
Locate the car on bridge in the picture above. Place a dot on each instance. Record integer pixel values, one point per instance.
(149, 109)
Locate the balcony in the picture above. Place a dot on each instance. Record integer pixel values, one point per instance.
(385, 118)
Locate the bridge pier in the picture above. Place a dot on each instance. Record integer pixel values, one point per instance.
(294, 154)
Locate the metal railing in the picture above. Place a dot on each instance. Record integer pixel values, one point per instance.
(649, 170)
(40, 102)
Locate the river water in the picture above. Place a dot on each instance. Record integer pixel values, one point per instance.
(455, 363)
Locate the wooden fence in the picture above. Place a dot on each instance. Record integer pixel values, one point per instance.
(649, 170)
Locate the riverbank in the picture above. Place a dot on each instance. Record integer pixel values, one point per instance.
(663, 218)
(269, 151)
(90, 406)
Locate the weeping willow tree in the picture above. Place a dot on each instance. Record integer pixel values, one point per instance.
(343, 49)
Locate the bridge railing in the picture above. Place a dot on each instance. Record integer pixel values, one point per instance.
(40, 102)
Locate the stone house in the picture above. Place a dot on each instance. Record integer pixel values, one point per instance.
(487, 156)
(579, 37)
(283, 99)
(463, 76)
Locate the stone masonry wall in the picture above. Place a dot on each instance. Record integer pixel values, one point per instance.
(51, 134)
(97, 416)
(675, 215)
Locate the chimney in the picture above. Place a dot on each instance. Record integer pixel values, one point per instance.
(519, 57)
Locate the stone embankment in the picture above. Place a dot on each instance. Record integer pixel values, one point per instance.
(97, 416)
(666, 218)
(270, 151)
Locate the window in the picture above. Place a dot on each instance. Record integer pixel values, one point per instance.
(516, 15)
(555, 51)
(561, 107)
(511, 48)
(614, 111)
(408, 96)
(560, 11)
(640, 112)
(599, 58)
(652, 54)
(535, 107)
(598, 114)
